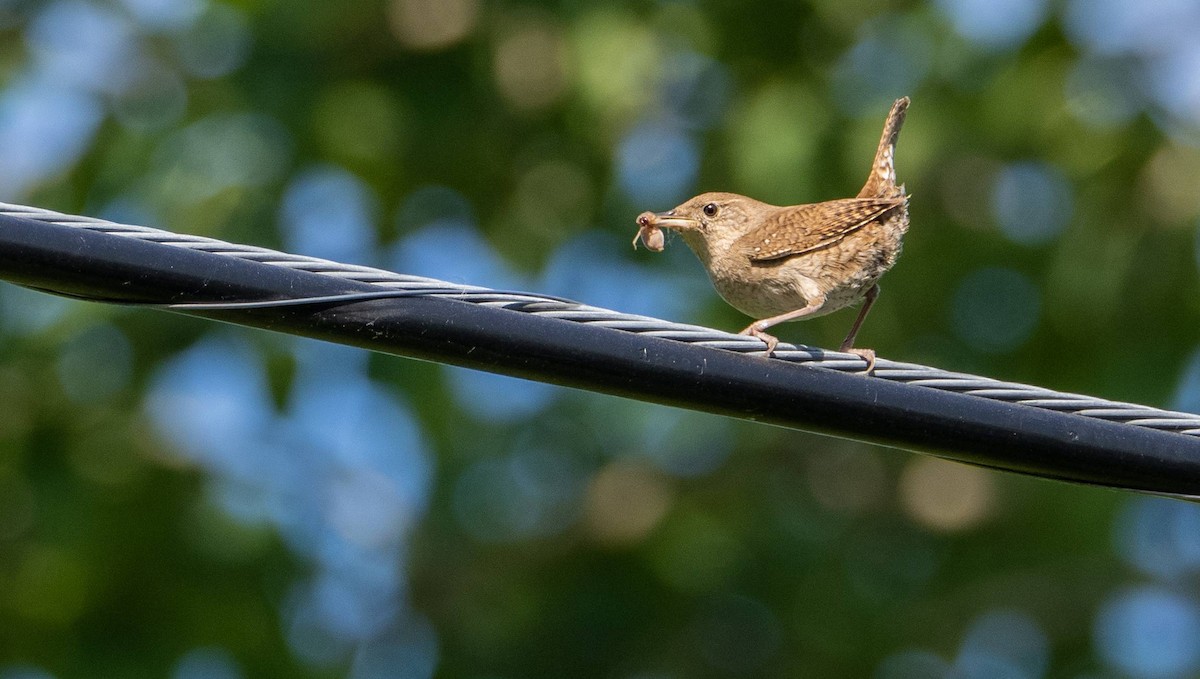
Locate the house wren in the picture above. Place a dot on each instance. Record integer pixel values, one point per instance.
(782, 264)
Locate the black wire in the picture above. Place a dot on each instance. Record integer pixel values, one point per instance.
(91, 265)
(340, 298)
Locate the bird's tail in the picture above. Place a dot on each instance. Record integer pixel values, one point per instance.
(882, 180)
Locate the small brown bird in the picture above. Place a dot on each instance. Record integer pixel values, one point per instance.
(782, 264)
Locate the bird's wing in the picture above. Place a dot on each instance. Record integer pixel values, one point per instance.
(804, 228)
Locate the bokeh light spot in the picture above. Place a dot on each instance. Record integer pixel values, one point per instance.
(154, 98)
(1149, 633)
(1103, 93)
(219, 152)
(44, 129)
(49, 585)
(1187, 394)
(946, 496)
(498, 398)
(1170, 180)
(207, 663)
(850, 480)
(427, 25)
(1175, 80)
(365, 508)
(308, 636)
(685, 443)
(625, 501)
(892, 56)
(1159, 537)
(996, 310)
(216, 43)
(1032, 202)
(521, 496)
(591, 268)
(695, 89)
(82, 45)
(453, 250)
(433, 203)
(657, 164)
(360, 121)
(554, 197)
(212, 402)
(1156, 39)
(28, 312)
(997, 24)
(165, 15)
(1004, 644)
(618, 61)
(1115, 26)
(695, 553)
(328, 212)
(775, 133)
(530, 65)
(351, 606)
(409, 653)
(371, 435)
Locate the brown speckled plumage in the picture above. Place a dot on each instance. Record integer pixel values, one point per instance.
(781, 264)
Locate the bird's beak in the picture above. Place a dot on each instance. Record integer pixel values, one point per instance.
(666, 220)
(651, 225)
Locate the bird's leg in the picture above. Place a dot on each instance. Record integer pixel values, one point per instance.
(756, 328)
(847, 346)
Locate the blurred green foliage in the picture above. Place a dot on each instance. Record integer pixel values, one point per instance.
(1052, 242)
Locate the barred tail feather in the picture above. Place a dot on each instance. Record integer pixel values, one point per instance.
(882, 180)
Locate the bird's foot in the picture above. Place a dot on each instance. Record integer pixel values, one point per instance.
(867, 355)
(770, 340)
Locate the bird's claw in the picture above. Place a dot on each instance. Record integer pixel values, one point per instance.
(867, 355)
(770, 340)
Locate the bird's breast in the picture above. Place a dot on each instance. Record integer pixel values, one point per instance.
(759, 290)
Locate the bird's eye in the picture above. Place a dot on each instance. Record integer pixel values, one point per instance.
(710, 210)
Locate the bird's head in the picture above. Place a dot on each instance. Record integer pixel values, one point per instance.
(709, 218)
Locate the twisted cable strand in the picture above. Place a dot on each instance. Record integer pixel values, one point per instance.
(906, 373)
